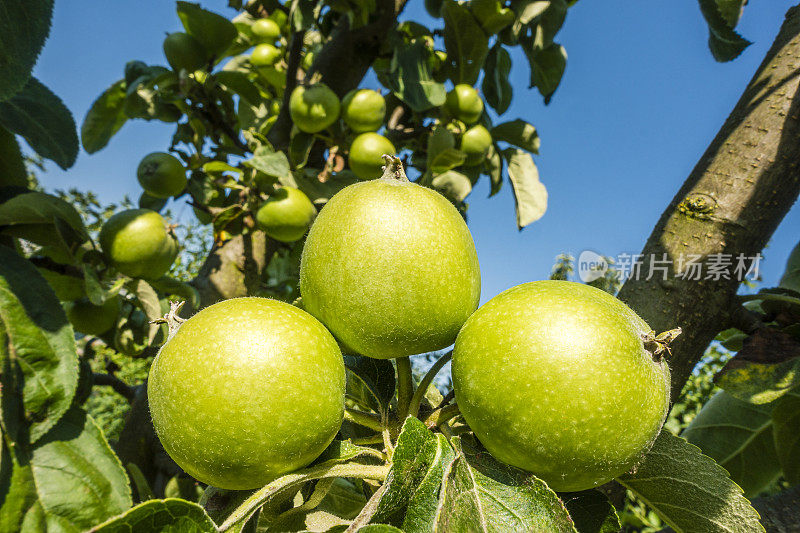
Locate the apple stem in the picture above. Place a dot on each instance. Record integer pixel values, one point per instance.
(658, 344)
(171, 319)
(393, 169)
(405, 386)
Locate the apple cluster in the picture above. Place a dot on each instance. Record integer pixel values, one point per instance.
(554, 377)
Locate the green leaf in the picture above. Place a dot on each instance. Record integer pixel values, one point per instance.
(12, 167)
(170, 286)
(300, 148)
(319, 192)
(517, 133)
(418, 464)
(497, 90)
(342, 451)
(214, 32)
(725, 44)
(482, 494)
(40, 362)
(492, 15)
(738, 436)
(79, 480)
(43, 219)
(148, 300)
(453, 185)
(549, 22)
(302, 14)
(17, 490)
(547, 66)
(377, 375)
(411, 80)
(104, 118)
(44, 121)
(289, 482)
(92, 287)
(171, 515)
(465, 42)
(24, 27)
(786, 427)
(494, 167)
(271, 163)
(529, 193)
(759, 383)
(446, 159)
(239, 83)
(690, 491)
(591, 511)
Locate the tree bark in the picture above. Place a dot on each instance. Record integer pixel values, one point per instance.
(731, 203)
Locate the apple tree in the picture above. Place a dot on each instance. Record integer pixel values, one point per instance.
(346, 208)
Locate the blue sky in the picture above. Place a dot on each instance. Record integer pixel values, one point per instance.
(640, 101)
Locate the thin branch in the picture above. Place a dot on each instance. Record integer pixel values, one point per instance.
(439, 417)
(405, 385)
(119, 386)
(363, 419)
(283, 124)
(416, 400)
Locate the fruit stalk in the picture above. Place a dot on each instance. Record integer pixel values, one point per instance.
(405, 384)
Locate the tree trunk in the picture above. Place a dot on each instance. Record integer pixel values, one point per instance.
(735, 197)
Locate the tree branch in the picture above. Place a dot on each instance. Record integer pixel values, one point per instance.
(119, 386)
(731, 203)
(779, 512)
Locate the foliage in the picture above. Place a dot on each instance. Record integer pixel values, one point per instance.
(78, 450)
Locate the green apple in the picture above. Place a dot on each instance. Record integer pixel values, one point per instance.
(286, 215)
(390, 268)
(138, 243)
(557, 378)
(247, 390)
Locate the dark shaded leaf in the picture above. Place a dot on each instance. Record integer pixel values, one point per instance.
(12, 167)
(723, 41)
(465, 42)
(214, 32)
(497, 90)
(690, 491)
(377, 375)
(44, 121)
(547, 66)
(104, 118)
(40, 362)
(767, 366)
(591, 511)
(738, 435)
(786, 427)
(411, 80)
(24, 26)
(239, 83)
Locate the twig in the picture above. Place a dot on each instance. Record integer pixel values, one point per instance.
(119, 386)
(416, 400)
(279, 134)
(363, 419)
(405, 384)
(439, 417)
